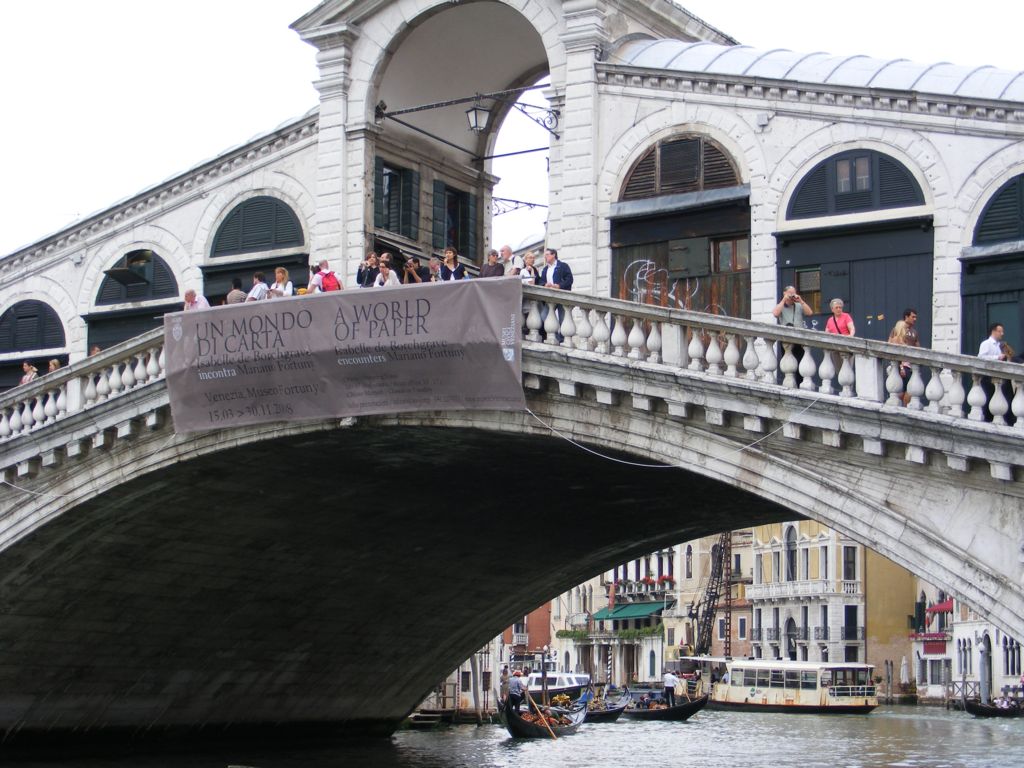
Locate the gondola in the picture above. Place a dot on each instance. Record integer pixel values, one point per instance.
(682, 711)
(520, 728)
(609, 714)
(978, 709)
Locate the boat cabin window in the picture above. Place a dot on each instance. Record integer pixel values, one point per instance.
(851, 677)
(777, 678)
(792, 679)
(750, 678)
(809, 680)
(736, 677)
(762, 678)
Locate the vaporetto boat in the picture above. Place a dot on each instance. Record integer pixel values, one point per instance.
(784, 686)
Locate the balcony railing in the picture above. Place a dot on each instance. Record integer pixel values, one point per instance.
(776, 590)
(802, 633)
(771, 634)
(851, 587)
(520, 638)
(756, 634)
(821, 633)
(852, 633)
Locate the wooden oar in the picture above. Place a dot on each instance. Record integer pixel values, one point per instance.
(543, 719)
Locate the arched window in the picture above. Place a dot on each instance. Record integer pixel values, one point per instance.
(258, 224)
(140, 276)
(677, 165)
(652, 669)
(567, 663)
(30, 325)
(689, 561)
(1002, 220)
(791, 554)
(854, 181)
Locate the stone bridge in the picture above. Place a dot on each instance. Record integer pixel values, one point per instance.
(329, 573)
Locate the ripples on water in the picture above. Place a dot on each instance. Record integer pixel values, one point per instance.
(901, 736)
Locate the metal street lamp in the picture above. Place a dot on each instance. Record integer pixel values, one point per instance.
(478, 117)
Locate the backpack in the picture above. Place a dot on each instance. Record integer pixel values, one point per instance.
(330, 282)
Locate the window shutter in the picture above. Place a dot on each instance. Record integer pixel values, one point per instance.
(438, 234)
(718, 171)
(643, 180)
(680, 166)
(258, 224)
(1003, 217)
(164, 285)
(896, 186)
(30, 325)
(468, 233)
(378, 193)
(411, 204)
(286, 227)
(228, 239)
(811, 198)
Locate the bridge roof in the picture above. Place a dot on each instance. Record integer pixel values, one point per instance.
(944, 78)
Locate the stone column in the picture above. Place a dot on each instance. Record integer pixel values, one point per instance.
(334, 43)
(572, 225)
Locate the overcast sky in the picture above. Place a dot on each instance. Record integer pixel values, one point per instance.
(102, 99)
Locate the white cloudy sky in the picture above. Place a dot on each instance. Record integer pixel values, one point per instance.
(104, 98)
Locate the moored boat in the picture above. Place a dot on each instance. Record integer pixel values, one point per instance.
(557, 684)
(682, 711)
(527, 725)
(603, 712)
(800, 687)
(979, 709)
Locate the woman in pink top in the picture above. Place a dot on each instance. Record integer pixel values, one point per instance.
(840, 322)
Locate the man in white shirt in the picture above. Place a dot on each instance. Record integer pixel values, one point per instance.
(509, 260)
(259, 289)
(992, 347)
(195, 301)
(670, 682)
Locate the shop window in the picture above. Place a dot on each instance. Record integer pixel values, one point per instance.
(259, 224)
(851, 181)
(396, 199)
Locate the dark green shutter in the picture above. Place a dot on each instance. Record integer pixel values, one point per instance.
(410, 226)
(438, 239)
(468, 233)
(258, 224)
(29, 325)
(378, 193)
(1003, 217)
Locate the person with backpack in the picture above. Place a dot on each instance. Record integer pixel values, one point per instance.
(328, 280)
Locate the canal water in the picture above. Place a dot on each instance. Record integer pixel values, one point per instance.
(893, 736)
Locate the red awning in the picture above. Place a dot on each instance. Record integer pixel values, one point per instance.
(946, 606)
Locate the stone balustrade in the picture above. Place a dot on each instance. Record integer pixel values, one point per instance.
(959, 386)
(83, 385)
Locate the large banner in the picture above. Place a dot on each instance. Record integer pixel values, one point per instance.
(438, 346)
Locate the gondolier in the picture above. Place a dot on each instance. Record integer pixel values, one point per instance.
(516, 690)
(671, 681)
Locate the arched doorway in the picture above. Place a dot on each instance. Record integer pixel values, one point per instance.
(790, 639)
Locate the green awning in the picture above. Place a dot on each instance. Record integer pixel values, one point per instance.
(631, 611)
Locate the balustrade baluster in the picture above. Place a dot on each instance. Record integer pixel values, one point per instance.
(998, 406)
(38, 411)
(141, 374)
(934, 392)
(894, 384)
(128, 376)
(584, 330)
(769, 360)
(90, 389)
(102, 385)
(807, 367)
(568, 329)
(956, 396)
(696, 350)
(619, 338)
(826, 372)
(153, 367)
(976, 399)
(26, 416)
(654, 343)
(50, 407)
(16, 419)
(713, 355)
(114, 380)
(731, 356)
(5, 424)
(161, 362)
(750, 361)
(601, 333)
(635, 340)
(847, 377)
(551, 325)
(915, 388)
(1017, 406)
(62, 400)
(788, 365)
